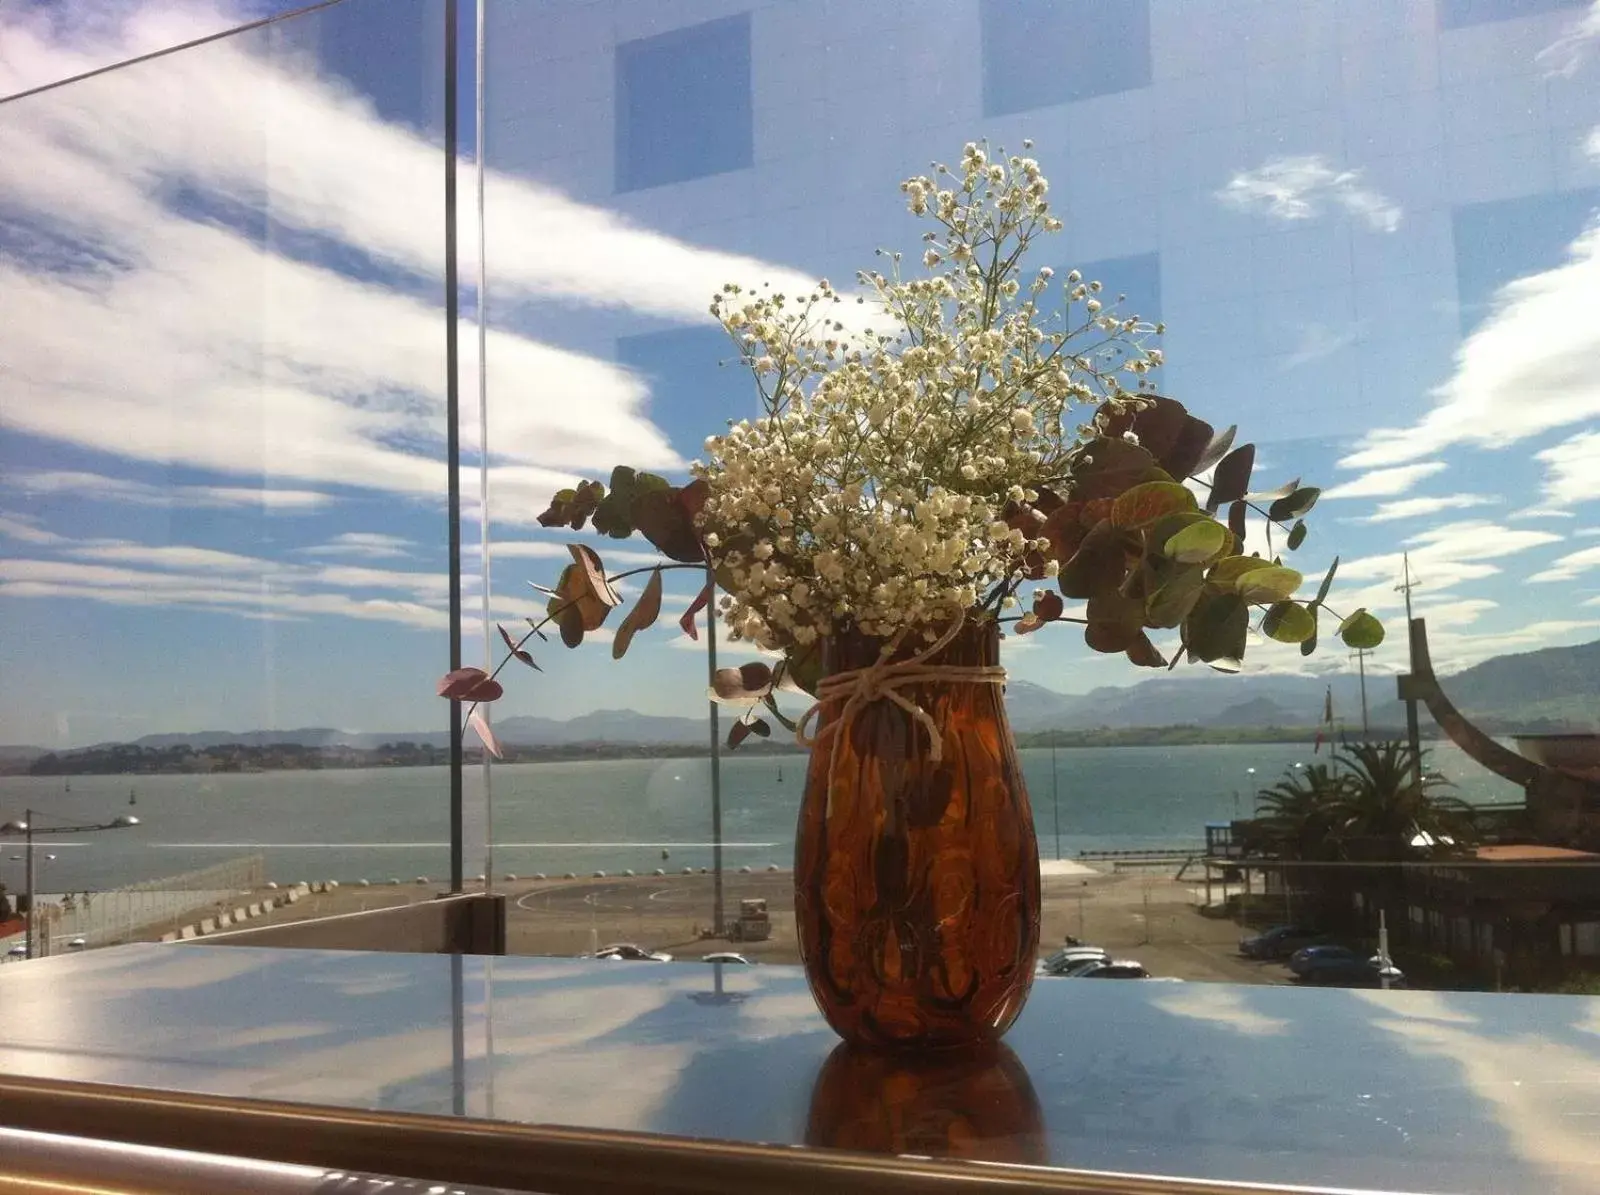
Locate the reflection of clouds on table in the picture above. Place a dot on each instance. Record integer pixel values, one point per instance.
(1481, 1093)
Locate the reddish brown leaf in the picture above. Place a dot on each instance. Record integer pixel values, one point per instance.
(1109, 637)
(469, 684)
(643, 615)
(1143, 653)
(748, 682)
(1231, 481)
(692, 497)
(511, 646)
(1236, 522)
(594, 576)
(743, 730)
(486, 734)
(1028, 624)
(687, 622)
(1048, 605)
(1165, 428)
(1110, 466)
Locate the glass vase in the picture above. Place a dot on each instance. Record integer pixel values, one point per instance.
(917, 880)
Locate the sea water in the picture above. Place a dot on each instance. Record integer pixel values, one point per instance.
(602, 815)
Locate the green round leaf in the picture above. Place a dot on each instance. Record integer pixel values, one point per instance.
(1144, 504)
(1298, 502)
(1170, 605)
(1198, 542)
(1215, 629)
(1289, 622)
(1361, 630)
(1270, 583)
(1297, 535)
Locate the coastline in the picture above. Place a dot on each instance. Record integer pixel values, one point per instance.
(184, 760)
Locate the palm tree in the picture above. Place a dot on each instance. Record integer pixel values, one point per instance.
(1383, 813)
(1296, 818)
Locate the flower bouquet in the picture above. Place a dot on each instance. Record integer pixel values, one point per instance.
(955, 447)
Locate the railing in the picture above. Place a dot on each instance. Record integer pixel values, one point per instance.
(119, 914)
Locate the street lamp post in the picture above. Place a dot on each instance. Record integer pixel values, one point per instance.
(28, 830)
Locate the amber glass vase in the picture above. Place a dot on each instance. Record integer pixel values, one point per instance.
(917, 882)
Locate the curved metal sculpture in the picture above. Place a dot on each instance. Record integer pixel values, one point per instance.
(1562, 808)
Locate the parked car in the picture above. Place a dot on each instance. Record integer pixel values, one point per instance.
(728, 956)
(1326, 954)
(1355, 972)
(627, 952)
(1113, 969)
(1280, 941)
(17, 952)
(77, 944)
(1069, 957)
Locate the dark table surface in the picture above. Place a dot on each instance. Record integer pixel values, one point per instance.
(1396, 1090)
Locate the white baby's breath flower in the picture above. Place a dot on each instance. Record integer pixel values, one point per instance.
(846, 489)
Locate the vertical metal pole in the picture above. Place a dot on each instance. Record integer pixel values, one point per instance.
(31, 943)
(1055, 797)
(1413, 729)
(484, 560)
(1361, 662)
(452, 407)
(717, 927)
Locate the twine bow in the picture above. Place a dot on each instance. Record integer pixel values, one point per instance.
(858, 688)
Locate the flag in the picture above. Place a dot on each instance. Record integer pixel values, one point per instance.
(1327, 721)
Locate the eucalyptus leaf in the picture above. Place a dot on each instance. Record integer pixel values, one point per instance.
(1231, 481)
(1216, 628)
(1289, 622)
(643, 615)
(1170, 605)
(1361, 630)
(1269, 583)
(1142, 653)
(1198, 542)
(1145, 503)
(1099, 564)
(1294, 505)
(1327, 583)
(1297, 535)
(1217, 449)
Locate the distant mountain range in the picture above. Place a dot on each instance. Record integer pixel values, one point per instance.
(1535, 690)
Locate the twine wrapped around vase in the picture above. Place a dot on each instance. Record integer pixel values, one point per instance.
(858, 688)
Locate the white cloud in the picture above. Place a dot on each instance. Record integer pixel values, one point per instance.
(1575, 46)
(1532, 366)
(370, 545)
(1573, 473)
(1306, 186)
(1317, 342)
(99, 487)
(1384, 483)
(1441, 558)
(27, 530)
(243, 595)
(320, 377)
(1572, 565)
(1410, 508)
(1539, 512)
(175, 556)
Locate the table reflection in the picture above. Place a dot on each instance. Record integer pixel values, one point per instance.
(976, 1106)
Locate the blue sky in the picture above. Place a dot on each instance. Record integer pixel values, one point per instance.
(221, 357)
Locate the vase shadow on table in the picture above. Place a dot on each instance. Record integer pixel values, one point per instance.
(978, 1106)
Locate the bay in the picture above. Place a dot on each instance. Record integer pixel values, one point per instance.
(602, 815)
